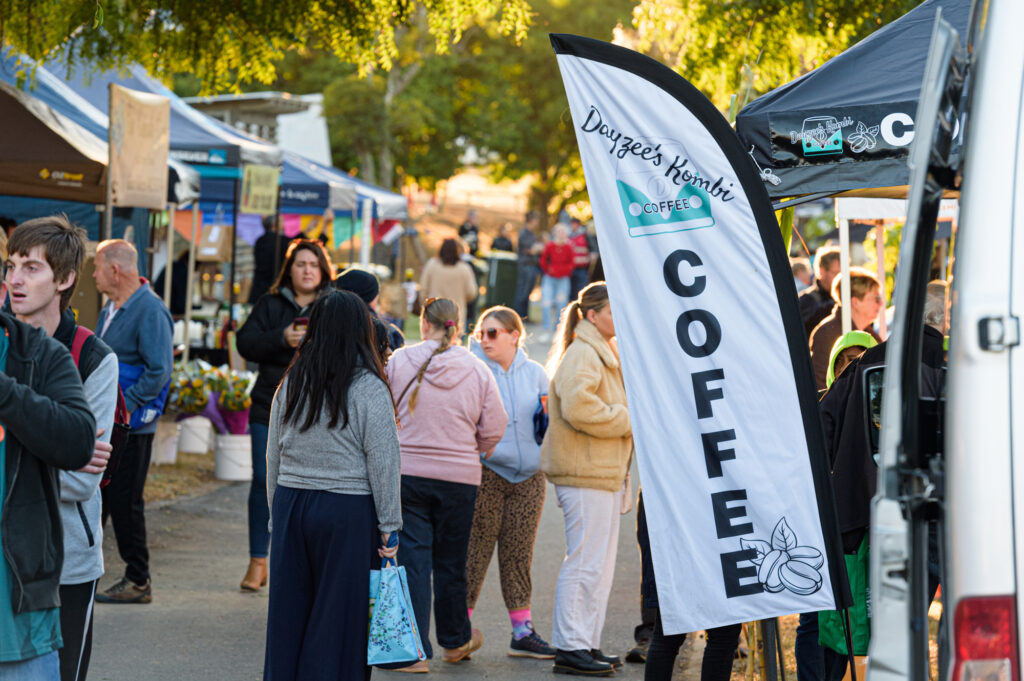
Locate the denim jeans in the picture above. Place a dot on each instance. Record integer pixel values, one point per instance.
(259, 512)
(554, 293)
(43, 668)
(526, 279)
(437, 516)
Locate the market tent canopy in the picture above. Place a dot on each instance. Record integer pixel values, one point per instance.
(182, 180)
(45, 154)
(847, 125)
(195, 137)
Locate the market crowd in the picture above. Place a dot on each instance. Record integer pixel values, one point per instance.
(436, 453)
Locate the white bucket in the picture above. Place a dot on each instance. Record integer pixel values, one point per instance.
(165, 443)
(233, 458)
(195, 435)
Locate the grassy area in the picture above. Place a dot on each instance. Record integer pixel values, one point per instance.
(191, 475)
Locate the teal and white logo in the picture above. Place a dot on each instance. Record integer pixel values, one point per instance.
(821, 135)
(646, 215)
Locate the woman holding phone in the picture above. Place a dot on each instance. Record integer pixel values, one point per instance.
(269, 336)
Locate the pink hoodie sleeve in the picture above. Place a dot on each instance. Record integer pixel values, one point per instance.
(493, 418)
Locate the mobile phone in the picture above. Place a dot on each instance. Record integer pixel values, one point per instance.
(300, 322)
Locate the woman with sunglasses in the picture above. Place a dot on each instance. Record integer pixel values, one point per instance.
(511, 494)
(450, 410)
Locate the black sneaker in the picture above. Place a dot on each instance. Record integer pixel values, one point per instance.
(531, 645)
(580, 663)
(127, 591)
(638, 653)
(614, 660)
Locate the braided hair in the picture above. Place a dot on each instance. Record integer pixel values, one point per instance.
(441, 313)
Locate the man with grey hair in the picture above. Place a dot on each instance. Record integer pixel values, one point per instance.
(816, 301)
(138, 328)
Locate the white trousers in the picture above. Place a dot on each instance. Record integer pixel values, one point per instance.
(585, 579)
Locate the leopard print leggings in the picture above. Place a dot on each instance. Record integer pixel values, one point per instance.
(507, 514)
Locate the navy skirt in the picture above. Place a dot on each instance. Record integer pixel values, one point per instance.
(325, 545)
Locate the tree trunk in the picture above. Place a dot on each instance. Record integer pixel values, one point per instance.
(367, 166)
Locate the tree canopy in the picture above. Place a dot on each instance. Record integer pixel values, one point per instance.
(229, 42)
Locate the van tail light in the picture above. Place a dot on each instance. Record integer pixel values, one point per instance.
(985, 636)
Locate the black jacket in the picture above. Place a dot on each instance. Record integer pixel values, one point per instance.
(815, 304)
(48, 426)
(268, 255)
(261, 339)
(854, 471)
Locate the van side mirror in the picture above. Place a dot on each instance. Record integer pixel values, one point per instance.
(930, 412)
(874, 380)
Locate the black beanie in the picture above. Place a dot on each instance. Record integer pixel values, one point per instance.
(360, 282)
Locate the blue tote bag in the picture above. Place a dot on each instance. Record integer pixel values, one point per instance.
(393, 634)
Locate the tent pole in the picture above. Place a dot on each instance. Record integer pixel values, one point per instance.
(190, 277)
(367, 237)
(883, 331)
(108, 213)
(844, 260)
(170, 245)
(234, 244)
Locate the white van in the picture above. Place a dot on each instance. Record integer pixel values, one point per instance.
(976, 488)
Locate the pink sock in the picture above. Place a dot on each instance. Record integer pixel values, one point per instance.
(521, 624)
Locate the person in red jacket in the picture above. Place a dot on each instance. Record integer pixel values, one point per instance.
(556, 262)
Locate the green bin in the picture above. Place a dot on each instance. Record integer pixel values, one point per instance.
(502, 268)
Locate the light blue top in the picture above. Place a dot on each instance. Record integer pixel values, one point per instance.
(517, 457)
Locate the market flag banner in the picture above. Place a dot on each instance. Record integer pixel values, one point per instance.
(259, 189)
(140, 140)
(718, 377)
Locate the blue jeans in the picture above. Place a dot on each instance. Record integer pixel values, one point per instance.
(554, 293)
(526, 279)
(43, 668)
(259, 512)
(579, 278)
(437, 516)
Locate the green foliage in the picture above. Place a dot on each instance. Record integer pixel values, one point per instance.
(226, 43)
(711, 41)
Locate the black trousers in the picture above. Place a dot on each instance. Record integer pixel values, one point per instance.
(324, 548)
(76, 604)
(437, 516)
(122, 503)
(718, 653)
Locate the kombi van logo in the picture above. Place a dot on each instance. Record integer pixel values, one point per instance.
(820, 135)
(661, 188)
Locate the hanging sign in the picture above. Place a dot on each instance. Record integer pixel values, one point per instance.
(140, 139)
(259, 190)
(718, 377)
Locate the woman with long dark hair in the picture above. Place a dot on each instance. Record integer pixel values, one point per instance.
(586, 455)
(450, 409)
(269, 336)
(333, 474)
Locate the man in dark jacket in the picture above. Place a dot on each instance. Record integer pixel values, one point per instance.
(268, 255)
(46, 426)
(365, 285)
(816, 301)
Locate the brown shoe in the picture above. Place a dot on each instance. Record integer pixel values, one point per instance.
(420, 667)
(126, 591)
(465, 650)
(256, 575)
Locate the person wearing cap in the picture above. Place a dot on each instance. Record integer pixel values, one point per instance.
(364, 284)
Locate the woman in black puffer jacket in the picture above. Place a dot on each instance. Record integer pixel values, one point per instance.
(269, 337)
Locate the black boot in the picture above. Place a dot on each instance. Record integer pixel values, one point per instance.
(614, 660)
(580, 663)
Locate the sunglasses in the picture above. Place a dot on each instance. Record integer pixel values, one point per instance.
(490, 334)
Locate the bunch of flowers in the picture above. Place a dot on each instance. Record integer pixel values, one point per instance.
(235, 394)
(188, 393)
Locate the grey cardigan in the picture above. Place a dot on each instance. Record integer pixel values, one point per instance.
(361, 458)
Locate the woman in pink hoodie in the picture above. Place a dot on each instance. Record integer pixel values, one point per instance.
(449, 410)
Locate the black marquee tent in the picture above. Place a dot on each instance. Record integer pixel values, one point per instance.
(846, 126)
